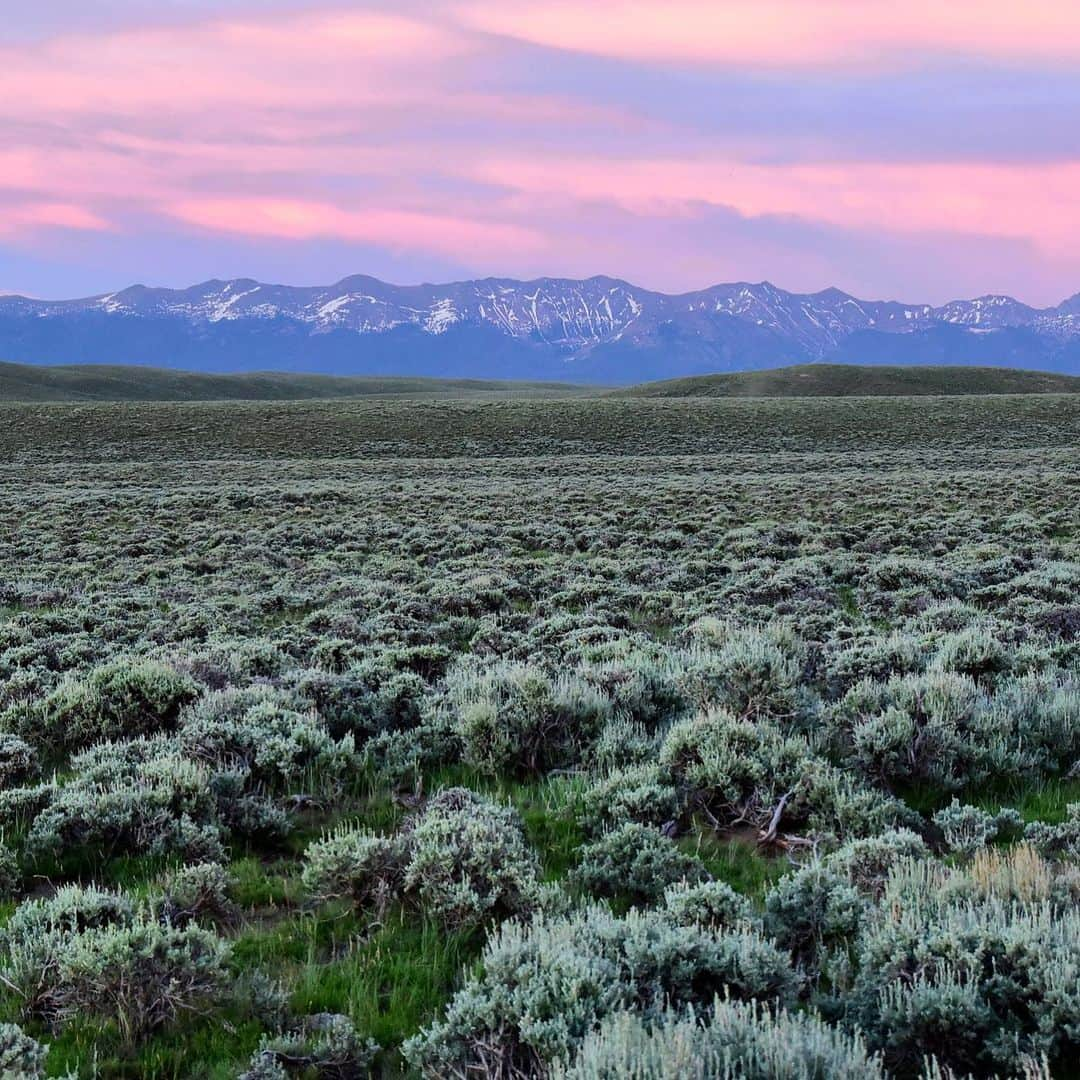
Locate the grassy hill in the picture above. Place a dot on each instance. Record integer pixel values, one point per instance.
(852, 380)
(94, 382)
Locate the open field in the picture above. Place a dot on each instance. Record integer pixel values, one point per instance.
(105, 382)
(869, 380)
(459, 738)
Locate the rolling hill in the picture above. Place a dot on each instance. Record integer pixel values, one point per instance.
(851, 380)
(94, 382)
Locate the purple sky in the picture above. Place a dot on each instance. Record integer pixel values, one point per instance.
(924, 152)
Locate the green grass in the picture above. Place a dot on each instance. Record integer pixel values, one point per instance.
(105, 382)
(1045, 801)
(855, 380)
(736, 861)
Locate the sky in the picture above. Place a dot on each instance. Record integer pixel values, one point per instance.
(921, 151)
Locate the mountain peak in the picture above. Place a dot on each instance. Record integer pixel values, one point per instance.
(599, 328)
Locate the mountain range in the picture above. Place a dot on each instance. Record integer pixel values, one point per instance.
(599, 330)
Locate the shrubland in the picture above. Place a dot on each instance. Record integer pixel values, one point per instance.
(562, 739)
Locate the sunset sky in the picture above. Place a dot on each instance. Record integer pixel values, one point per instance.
(922, 151)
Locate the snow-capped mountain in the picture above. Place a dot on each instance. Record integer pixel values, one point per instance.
(600, 329)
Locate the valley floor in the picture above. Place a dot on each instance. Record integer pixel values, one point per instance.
(507, 732)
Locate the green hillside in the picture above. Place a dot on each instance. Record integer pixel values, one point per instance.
(93, 382)
(852, 380)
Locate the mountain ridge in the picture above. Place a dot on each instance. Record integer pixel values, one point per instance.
(599, 329)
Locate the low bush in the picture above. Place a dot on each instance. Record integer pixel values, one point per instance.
(811, 912)
(867, 862)
(1057, 840)
(713, 904)
(545, 986)
(962, 968)
(642, 793)
(355, 863)
(732, 1040)
(750, 673)
(469, 861)
(88, 954)
(10, 875)
(514, 719)
(122, 699)
(965, 828)
(18, 761)
(324, 1046)
(21, 1057)
(936, 728)
(198, 893)
(636, 862)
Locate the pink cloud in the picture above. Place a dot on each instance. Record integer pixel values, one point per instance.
(297, 220)
(978, 198)
(315, 59)
(787, 33)
(400, 132)
(40, 215)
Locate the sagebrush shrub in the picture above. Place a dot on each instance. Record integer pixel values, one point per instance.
(122, 699)
(198, 893)
(21, 1057)
(937, 728)
(18, 761)
(469, 860)
(322, 1045)
(545, 985)
(732, 1041)
(811, 911)
(714, 904)
(87, 954)
(959, 968)
(966, 828)
(513, 718)
(634, 861)
(867, 862)
(10, 875)
(355, 863)
(642, 793)
(748, 672)
(1060, 839)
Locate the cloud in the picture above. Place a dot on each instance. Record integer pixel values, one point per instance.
(20, 217)
(460, 136)
(394, 229)
(789, 33)
(974, 198)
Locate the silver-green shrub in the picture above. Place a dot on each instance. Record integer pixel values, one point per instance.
(1059, 839)
(643, 793)
(966, 828)
(867, 862)
(636, 862)
(545, 985)
(324, 1046)
(18, 761)
(812, 911)
(198, 893)
(514, 718)
(937, 728)
(355, 863)
(469, 860)
(89, 954)
(732, 1041)
(10, 875)
(951, 966)
(122, 699)
(713, 904)
(21, 1057)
